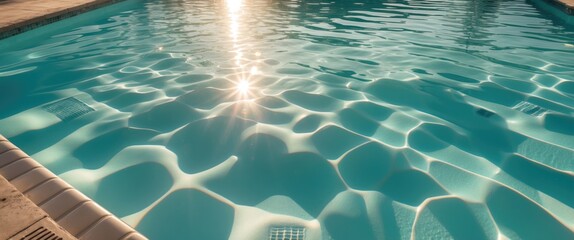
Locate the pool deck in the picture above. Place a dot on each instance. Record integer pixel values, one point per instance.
(568, 3)
(17, 16)
(33, 199)
(21, 217)
(566, 6)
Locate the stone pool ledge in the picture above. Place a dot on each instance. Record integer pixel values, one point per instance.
(22, 219)
(33, 199)
(18, 16)
(566, 6)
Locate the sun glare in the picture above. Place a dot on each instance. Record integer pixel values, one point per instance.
(243, 87)
(245, 83)
(234, 5)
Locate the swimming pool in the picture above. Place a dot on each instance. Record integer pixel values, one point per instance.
(257, 119)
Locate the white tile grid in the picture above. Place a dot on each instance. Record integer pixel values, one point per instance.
(530, 108)
(287, 233)
(68, 108)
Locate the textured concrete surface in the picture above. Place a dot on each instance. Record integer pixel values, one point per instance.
(566, 6)
(35, 202)
(19, 217)
(570, 3)
(46, 228)
(16, 211)
(17, 16)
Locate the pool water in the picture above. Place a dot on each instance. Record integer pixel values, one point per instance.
(305, 119)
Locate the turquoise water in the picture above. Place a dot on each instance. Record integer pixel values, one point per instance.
(333, 120)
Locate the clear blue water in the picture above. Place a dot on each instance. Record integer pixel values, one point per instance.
(339, 119)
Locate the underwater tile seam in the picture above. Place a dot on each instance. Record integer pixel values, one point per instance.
(18, 16)
(51, 203)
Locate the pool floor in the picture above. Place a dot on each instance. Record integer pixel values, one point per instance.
(257, 119)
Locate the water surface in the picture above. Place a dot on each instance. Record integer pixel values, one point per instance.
(240, 119)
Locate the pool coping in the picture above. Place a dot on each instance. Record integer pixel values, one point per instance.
(566, 6)
(22, 219)
(77, 214)
(26, 15)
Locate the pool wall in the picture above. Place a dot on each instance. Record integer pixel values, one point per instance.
(559, 8)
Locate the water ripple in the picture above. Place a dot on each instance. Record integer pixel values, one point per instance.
(352, 119)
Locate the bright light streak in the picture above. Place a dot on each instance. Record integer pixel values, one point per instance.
(234, 6)
(243, 87)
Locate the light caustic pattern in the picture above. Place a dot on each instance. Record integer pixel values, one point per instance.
(342, 120)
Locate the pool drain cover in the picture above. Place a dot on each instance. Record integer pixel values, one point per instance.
(287, 233)
(68, 108)
(529, 108)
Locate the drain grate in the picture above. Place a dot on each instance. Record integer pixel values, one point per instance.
(41, 233)
(287, 233)
(68, 108)
(44, 229)
(530, 109)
